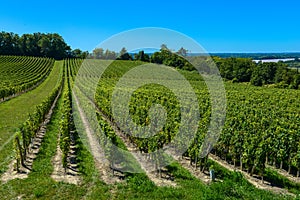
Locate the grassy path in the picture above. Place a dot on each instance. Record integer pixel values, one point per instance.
(15, 111)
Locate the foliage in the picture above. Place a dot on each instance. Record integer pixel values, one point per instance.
(262, 124)
(245, 70)
(67, 126)
(142, 56)
(166, 57)
(50, 45)
(267, 115)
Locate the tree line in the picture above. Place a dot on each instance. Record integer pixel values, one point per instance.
(164, 56)
(258, 56)
(50, 45)
(245, 70)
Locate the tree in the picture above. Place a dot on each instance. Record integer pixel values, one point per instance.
(164, 47)
(122, 52)
(58, 47)
(9, 44)
(110, 55)
(256, 78)
(182, 52)
(168, 58)
(77, 53)
(84, 54)
(156, 58)
(142, 56)
(36, 44)
(125, 56)
(98, 53)
(44, 44)
(296, 82)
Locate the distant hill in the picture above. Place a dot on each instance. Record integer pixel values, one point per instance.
(258, 56)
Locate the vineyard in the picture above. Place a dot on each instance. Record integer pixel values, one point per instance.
(261, 127)
(18, 74)
(104, 125)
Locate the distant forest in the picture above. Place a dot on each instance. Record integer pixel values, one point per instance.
(257, 56)
(278, 75)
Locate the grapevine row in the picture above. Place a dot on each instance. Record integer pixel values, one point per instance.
(28, 130)
(18, 74)
(67, 126)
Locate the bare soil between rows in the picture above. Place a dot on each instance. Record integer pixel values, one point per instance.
(101, 162)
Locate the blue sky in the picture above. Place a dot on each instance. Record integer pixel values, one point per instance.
(219, 26)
